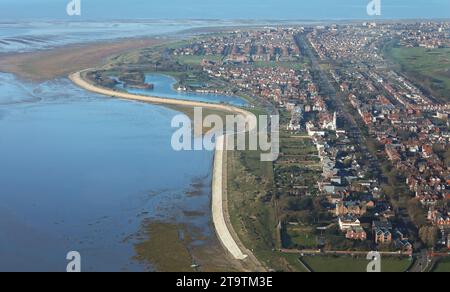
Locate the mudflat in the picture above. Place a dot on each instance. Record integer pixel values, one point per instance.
(59, 62)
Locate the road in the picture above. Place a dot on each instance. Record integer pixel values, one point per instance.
(422, 262)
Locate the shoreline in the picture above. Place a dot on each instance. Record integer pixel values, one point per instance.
(222, 225)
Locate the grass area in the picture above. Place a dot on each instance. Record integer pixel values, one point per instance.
(300, 149)
(427, 67)
(349, 264)
(294, 262)
(177, 44)
(249, 182)
(298, 146)
(443, 266)
(300, 236)
(253, 209)
(196, 60)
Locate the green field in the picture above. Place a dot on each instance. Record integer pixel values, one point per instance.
(349, 264)
(196, 60)
(442, 266)
(300, 236)
(428, 67)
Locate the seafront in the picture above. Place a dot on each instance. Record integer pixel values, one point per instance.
(223, 228)
(218, 201)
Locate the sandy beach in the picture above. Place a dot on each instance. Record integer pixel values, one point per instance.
(223, 227)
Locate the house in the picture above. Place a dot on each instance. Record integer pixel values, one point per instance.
(427, 151)
(382, 232)
(347, 222)
(442, 115)
(335, 198)
(381, 207)
(392, 153)
(400, 234)
(443, 221)
(350, 207)
(356, 233)
(313, 131)
(403, 245)
(439, 218)
(382, 236)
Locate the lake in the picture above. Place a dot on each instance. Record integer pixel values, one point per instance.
(164, 87)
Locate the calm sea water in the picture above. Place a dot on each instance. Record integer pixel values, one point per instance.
(164, 87)
(81, 172)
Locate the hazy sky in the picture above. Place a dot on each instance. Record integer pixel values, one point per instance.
(223, 9)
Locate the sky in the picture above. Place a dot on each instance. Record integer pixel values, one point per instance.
(222, 9)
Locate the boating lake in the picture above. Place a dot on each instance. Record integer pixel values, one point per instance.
(164, 87)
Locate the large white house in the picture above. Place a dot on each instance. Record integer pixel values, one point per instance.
(348, 222)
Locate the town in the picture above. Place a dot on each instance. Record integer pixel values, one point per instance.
(364, 133)
(365, 158)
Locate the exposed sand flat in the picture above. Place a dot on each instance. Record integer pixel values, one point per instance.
(59, 62)
(224, 230)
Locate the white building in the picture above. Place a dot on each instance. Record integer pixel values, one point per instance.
(348, 222)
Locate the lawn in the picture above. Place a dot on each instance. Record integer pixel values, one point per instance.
(428, 67)
(443, 266)
(349, 264)
(300, 236)
(197, 60)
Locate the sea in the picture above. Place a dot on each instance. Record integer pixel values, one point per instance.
(88, 173)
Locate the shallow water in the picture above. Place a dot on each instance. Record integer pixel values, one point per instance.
(32, 36)
(20, 35)
(82, 172)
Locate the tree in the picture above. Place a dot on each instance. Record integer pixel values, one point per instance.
(303, 204)
(416, 213)
(429, 235)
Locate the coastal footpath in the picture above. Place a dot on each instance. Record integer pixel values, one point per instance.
(218, 200)
(220, 218)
